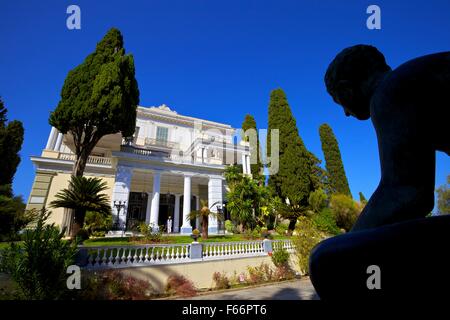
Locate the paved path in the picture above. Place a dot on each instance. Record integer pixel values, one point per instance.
(294, 290)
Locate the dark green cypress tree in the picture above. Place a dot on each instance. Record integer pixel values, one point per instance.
(99, 97)
(11, 139)
(256, 168)
(294, 177)
(336, 174)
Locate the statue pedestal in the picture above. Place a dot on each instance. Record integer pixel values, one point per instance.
(412, 257)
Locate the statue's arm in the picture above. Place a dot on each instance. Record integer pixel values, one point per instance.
(406, 189)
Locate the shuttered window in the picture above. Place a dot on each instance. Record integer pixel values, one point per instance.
(162, 134)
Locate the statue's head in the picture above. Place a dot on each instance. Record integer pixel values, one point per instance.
(350, 78)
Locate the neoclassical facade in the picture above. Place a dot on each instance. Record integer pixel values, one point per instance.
(173, 162)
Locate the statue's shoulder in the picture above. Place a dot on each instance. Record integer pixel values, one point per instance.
(419, 73)
(425, 63)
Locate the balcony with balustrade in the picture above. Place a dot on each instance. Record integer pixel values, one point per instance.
(95, 160)
(174, 155)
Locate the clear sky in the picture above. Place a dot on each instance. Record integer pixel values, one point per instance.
(216, 60)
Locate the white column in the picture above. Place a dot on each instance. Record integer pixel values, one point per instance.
(51, 139)
(249, 170)
(244, 165)
(121, 192)
(176, 218)
(214, 195)
(149, 206)
(186, 227)
(58, 141)
(154, 213)
(197, 204)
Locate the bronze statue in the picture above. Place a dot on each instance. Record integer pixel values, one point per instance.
(409, 108)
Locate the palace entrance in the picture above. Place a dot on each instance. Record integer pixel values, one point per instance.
(137, 207)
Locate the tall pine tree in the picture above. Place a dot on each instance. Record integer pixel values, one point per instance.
(294, 179)
(256, 168)
(335, 169)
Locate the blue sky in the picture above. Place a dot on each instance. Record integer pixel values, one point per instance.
(216, 60)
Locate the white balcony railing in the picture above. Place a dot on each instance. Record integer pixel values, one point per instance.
(171, 156)
(161, 143)
(91, 159)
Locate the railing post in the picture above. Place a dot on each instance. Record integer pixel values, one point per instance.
(267, 245)
(81, 257)
(196, 251)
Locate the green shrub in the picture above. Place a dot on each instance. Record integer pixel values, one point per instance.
(281, 228)
(98, 234)
(221, 281)
(345, 211)
(229, 226)
(144, 228)
(306, 239)
(258, 274)
(280, 257)
(254, 234)
(39, 265)
(324, 221)
(151, 235)
(317, 200)
(97, 223)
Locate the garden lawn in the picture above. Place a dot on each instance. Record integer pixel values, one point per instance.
(120, 241)
(169, 240)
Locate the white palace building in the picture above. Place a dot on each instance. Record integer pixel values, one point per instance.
(172, 163)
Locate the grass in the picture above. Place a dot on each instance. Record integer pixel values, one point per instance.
(170, 240)
(121, 241)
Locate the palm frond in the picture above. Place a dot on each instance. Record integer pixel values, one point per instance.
(83, 193)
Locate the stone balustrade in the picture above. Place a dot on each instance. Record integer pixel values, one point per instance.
(161, 143)
(279, 244)
(232, 249)
(127, 256)
(170, 156)
(105, 257)
(91, 159)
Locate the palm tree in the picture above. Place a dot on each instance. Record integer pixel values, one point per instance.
(233, 175)
(204, 214)
(82, 195)
(245, 198)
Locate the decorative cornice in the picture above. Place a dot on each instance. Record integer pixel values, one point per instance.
(164, 113)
